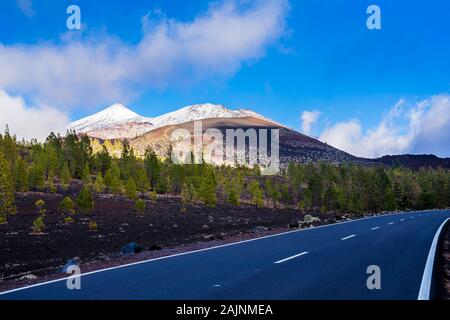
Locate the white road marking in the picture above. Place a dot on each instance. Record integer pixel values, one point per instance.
(291, 257)
(425, 285)
(348, 237)
(402, 219)
(390, 223)
(375, 228)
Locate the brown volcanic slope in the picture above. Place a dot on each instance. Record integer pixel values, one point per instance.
(294, 146)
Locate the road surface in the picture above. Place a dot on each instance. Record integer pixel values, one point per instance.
(327, 262)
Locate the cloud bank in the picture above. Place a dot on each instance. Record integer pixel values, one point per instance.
(420, 128)
(29, 121)
(89, 71)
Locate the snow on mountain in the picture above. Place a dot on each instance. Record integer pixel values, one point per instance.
(118, 121)
(200, 112)
(114, 116)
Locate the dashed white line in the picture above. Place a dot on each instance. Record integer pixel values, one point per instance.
(402, 219)
(348, 237)
(291, 257)
(375, 228)
(390, 223)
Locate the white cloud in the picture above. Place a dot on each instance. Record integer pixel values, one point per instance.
(432, 119)
(308, 119)
(30, 122)
(80, 71)
(427, 130)
(26, 6)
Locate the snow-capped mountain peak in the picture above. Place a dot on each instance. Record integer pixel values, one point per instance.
(115, 115)
(201, 112)
(118, 110)
(119, 122)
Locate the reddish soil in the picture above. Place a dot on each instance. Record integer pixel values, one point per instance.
(162, 226)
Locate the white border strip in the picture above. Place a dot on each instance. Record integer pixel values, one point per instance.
(199, 250)
(425, 286)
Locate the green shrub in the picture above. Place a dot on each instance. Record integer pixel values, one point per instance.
(93, 226)
(85, 200)
(68, 220)
(139, 206)
(38, 225)
(153, 196)
(67, 206)
(40, 205)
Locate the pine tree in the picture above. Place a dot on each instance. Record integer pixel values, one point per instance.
(389, 199)
(130, 189)
(162, 185)
(65, 176)
(51, 185)
(85, 199)
(275, 193)
(152, 168)
(398, 192)
(116, 186)
(104, 160)
(186, 196)
(86, 175)
(99, 185)
(256, 193)
(115, 169)
(49, 161)
(66, 206)
(36, 176)
(6, 190)
(232, 197)
(307, 199)
(315, 186)
(208, 189)
(142, 180)
(21, 175)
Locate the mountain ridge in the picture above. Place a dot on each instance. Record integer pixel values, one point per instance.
(118, 122)
(116, 118)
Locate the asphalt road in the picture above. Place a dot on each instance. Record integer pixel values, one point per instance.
(320, 263)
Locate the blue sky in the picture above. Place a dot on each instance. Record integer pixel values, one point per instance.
(308, 55)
